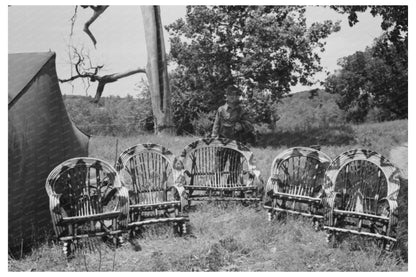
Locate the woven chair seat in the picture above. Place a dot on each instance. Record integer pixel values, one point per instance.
(88, 218)
(300, 198)
(230, 187)
(360, 215)
(155, 206)
(158, 220)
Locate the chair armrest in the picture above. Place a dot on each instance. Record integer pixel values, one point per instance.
(329, 205)
(57, 213)
(122, 194)
(392, 213)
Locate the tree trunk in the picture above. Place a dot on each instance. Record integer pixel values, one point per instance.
(157, 73)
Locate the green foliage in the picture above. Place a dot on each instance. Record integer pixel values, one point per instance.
(113, 116)
(260, 108)
(203, 124)
(261, 49)
(394, 21)
(367, 81)
(378, 77)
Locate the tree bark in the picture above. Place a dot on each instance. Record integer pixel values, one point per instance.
(156, 70)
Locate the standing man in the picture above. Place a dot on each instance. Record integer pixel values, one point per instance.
(231, 121)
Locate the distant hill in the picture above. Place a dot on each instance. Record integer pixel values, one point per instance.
(307, 109)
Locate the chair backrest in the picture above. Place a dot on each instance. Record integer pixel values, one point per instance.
(147, 172)
(300, 171)
(81, 186)
(217, 162)
(363, 178)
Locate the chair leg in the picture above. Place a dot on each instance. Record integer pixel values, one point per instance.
(331, 239)
(134, 241)
(269, 215)
(316, 224)
(68, 248)
(176, 229)
(184, 230)
(388, 245)
(120, 240)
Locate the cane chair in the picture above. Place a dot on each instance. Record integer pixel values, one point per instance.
(295, 185)
(220, 169)
(362, 188)
(155, 189)
(86, 200)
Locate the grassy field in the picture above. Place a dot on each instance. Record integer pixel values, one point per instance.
(231, 237)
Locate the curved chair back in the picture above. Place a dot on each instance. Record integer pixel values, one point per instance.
(147, 171)
(300, 171)
(363, 187)
(80, 189)
(363, 178)
(217, 162)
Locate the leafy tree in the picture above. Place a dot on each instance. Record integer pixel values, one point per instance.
(394, 22)
(381, 72)
(367, 81)
(261, 49)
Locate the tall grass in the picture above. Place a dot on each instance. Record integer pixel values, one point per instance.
(231, 237)
(223, 238)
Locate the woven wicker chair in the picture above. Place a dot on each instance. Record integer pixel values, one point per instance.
(295, 184)
(86, 200)
(155, 188)
(362, 188)
(220, 169)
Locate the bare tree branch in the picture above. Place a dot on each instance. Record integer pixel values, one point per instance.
(82, 62)
(102, 80)
(73, 18)
(98, 10)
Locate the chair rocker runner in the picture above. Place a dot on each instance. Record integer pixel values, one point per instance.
(220, 169)
(155, 189)
(86, 200)
(295, 184)
(362, 188)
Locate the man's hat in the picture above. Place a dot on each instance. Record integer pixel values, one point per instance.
(232, 90)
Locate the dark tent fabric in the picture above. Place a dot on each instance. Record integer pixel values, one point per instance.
(41, 136)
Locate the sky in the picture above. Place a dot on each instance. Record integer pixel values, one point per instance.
(121, 44)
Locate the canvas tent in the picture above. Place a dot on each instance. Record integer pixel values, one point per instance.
(41, 136)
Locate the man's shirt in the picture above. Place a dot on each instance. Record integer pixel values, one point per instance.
(226, 119)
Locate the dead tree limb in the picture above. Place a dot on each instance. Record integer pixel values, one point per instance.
(98, 10)
(103, 80)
